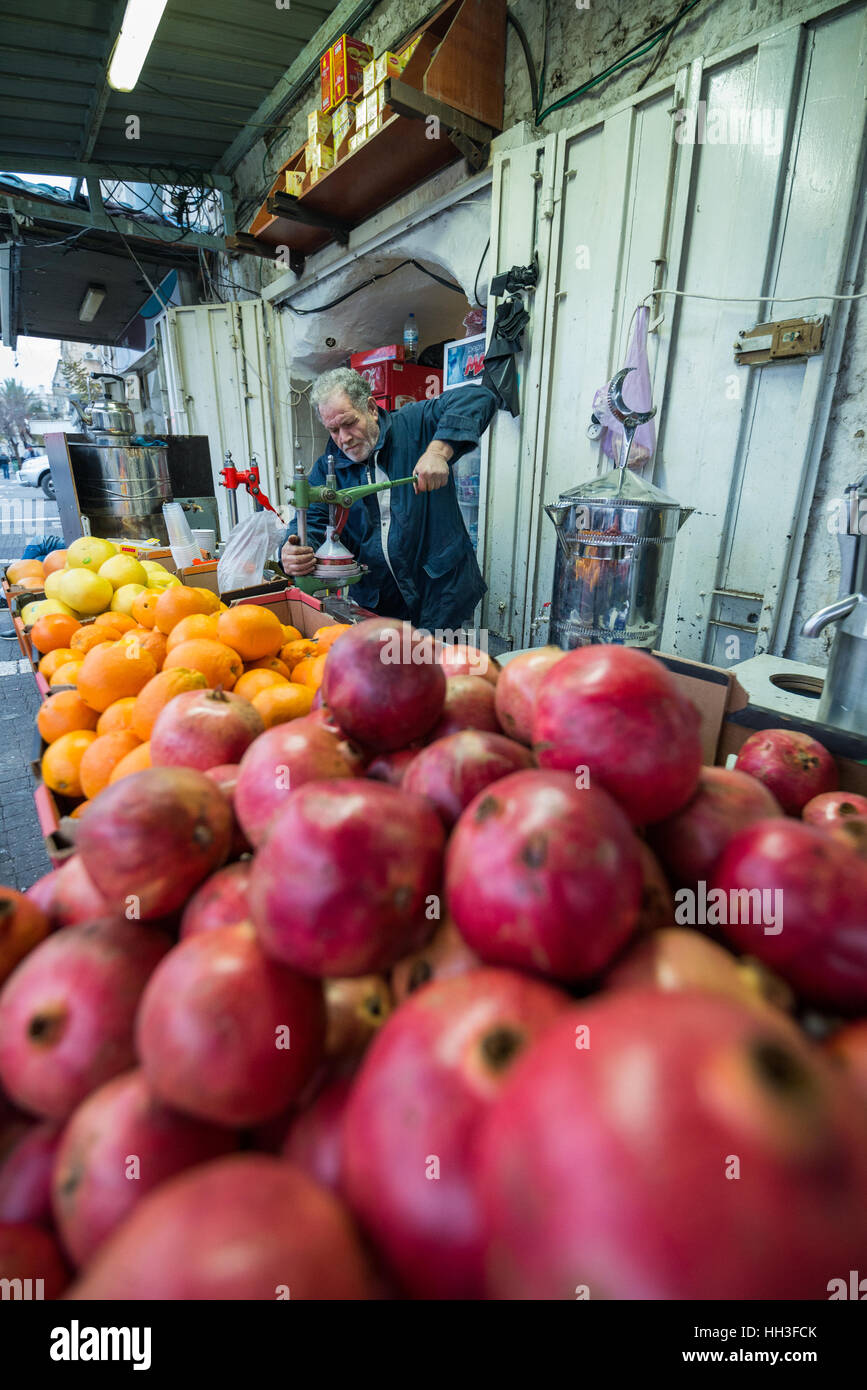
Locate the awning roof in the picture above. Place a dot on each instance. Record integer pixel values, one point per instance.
(211, 65)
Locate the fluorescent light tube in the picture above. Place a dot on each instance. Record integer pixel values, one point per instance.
(140, 24)
(90, 304)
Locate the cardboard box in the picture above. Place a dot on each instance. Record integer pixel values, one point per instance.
(343, 121)
(326, 100)
(388, 65)
(319, 126)
(346, 65)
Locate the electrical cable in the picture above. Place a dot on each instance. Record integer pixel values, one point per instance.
(320, 308)
(531, 66)
(478, 273)
(638, 51)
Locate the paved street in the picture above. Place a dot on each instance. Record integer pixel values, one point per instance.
(24, 513)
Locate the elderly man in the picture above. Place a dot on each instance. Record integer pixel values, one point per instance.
(419, 557)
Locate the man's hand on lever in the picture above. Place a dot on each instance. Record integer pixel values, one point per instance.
(432, 470)
(297, 559)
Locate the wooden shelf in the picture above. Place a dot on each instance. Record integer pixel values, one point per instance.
(458, 72)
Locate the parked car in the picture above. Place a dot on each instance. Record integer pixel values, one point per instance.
(37, 473)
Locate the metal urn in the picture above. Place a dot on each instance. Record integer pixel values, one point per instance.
(615, 550)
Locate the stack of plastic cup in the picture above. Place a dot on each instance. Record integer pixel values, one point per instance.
(184, 549)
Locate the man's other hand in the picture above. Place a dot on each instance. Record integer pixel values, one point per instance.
(297, 559)
(432, 470)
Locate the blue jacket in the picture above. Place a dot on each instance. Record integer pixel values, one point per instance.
(429, 550)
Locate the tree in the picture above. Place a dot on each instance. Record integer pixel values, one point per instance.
(16, 406)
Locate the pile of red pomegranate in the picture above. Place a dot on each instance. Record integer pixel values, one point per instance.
(473, 983)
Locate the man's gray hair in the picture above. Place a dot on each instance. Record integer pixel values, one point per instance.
(341, 379)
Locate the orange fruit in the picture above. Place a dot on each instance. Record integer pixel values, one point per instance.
(111, 672)
(55, 561)
(117, 716)
(61, 761)
(327, 636)
(66, 674)
(90, 636)
(196, 625)
(52, 631)
(143, 608)
(64, 713)
(218, 663)
(269, 663)
(121, 622)
(21, 570)
(102, 757)
(252, 683)
(79, 810)
(158, 692)
(290, 633)
(136, 761)
(295, 651)
(147, 640)
(251, 630)
(310, 670)
(280, 703)
(179, 601)
(49, 664)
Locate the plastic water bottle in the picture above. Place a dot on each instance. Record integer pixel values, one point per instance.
(410, 339)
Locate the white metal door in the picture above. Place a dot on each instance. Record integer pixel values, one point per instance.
(770, 208)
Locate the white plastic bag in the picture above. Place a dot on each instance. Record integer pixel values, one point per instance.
(253, 540)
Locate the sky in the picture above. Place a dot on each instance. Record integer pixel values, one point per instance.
(32, 363)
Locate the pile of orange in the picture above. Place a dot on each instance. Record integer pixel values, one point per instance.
(123, 670)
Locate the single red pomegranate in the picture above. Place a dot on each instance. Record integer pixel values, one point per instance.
(641, 1127)
(283, 759)
(244, 1227)
(225, 1034)
(454, 769)
(119, 1144)
(848, 1047)
(829, 807)
(469, 704)
(518, 687)
(25, 1176)
(657, 899)
(68, 895)
(794, 766)
(690, 842)
(545, 877)
(677, 958)
(806, 909)
(383, 684)
(460, 659)
(314, 1140)
(23, 924)
(616, 716)
(226, 777)
(355, 1010)
(31, 1260)
(850, 831)
(343, 880)
(204, 728)
(221, 901)
(443, 957)
(67, 1013)
(390, 767)
(410, 1124)
(151, 838)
